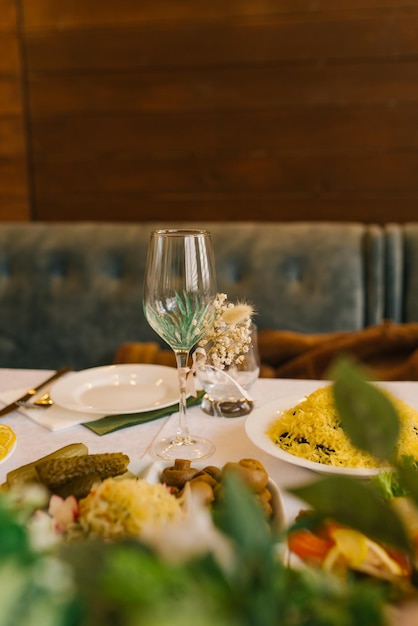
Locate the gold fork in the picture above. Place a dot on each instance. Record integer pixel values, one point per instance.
(43, 402)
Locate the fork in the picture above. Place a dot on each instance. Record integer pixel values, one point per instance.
(43, 402)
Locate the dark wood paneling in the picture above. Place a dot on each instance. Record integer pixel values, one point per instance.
(386, 172)
(234, 109)
(9, 54)
(10, 97)
(12, 173)
(14, 208)
(12, 137)
(368, 208)
(193, 44)
(14, 197)
(41, 14)
(388, 84)
(200, 135)
(13, 188)
(8, 16)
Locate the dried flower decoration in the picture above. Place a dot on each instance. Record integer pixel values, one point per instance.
(229, 337)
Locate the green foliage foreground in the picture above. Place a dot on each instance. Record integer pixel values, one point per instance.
(94, 583)
(126, 583)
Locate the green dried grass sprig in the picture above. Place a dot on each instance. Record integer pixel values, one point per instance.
(184, 325)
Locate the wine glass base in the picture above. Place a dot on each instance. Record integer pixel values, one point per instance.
(190, 448)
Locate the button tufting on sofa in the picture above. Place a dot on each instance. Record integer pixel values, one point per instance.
(71, 292)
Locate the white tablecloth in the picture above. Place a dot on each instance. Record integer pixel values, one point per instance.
(229, 436)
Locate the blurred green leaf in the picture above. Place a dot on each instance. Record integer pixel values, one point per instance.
(252, 592)
(408, 478)
(13, 536)
(355, 504)
(367, 415)
(240, 517)
(124, 583)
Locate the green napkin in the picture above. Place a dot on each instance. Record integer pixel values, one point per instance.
(110, 423)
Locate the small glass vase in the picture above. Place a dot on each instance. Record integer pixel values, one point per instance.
(227, 390)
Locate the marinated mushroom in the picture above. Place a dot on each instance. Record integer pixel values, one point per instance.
(202, 490)
(206, 478)
(213, 471)
(178, 474)
(264, 499)
(206, 484)
(251, 471)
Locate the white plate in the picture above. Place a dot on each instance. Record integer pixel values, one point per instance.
(259, 421)
(115, 389)
(153, 473)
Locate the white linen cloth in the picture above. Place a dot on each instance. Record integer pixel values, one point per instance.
(228, 434)
(54, 417)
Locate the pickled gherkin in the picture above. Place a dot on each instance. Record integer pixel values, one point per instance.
(76, 475)
(28, 474)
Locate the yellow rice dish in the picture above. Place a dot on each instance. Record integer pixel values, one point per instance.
(311, 430)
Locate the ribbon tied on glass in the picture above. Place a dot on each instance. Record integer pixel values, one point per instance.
(227, 388)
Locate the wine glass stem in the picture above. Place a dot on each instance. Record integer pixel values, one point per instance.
(182, 358)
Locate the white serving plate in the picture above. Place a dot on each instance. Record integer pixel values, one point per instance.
(259, 421)
(114, 389)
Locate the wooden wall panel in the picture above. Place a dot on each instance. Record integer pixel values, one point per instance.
(8, 16)
(14, 196)
(353, 130)
(221, 89)
(271, 39)
(42, 14)
(364, 207)
(234, 109)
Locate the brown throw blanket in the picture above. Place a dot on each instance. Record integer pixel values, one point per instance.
(388, 351)
(147, 352)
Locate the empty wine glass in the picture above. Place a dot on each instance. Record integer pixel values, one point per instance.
(179, 292)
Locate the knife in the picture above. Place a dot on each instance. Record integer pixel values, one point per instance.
(31, 392)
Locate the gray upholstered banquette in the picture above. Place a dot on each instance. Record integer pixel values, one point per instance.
(70, 293)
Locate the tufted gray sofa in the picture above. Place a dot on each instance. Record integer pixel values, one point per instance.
(70, 292)
(402, 272)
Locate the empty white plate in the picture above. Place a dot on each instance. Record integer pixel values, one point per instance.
(114, 389)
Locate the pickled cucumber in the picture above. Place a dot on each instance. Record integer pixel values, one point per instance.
(75, 476)
(27, 473)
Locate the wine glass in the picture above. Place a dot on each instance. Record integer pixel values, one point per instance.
(179, 293)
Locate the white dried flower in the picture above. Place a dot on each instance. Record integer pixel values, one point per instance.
(229, 337)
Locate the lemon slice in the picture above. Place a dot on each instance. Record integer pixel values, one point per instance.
(7, 441)
(353, 549)
(351, 544)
